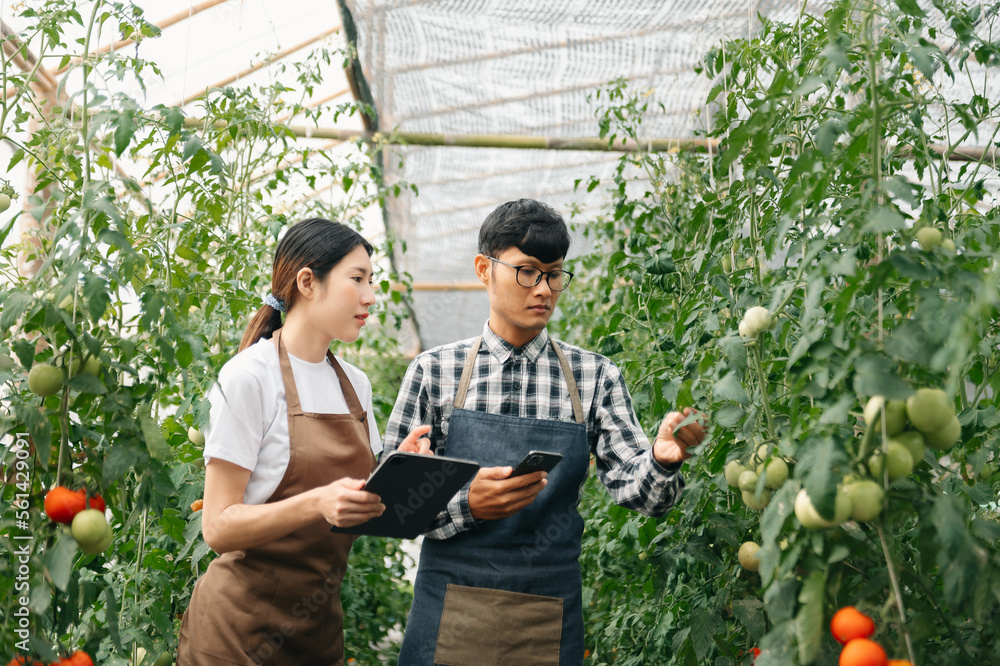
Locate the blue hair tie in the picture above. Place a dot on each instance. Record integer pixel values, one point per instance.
(274, 303)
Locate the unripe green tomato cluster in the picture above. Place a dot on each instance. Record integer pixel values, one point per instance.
(930, 415)
(756, 320)
(742, 477)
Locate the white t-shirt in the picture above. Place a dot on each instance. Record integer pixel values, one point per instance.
(249, 417)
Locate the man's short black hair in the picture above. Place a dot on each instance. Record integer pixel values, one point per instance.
(531, 226)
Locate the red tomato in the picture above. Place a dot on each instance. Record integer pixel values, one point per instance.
(81, 658)
(97, 502)
(62, 504)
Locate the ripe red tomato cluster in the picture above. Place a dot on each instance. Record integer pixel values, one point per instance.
(62, 504)
(853, 629)
(78, 658)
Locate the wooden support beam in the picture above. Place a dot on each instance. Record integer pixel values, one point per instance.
(27, 61)
(162, 25)
(529, 142)
(441, 286)
(264, 63)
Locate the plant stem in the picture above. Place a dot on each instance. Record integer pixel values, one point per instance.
(896, 588)
(138, 571)
(944, 619)
(765, 398)
(63, 435)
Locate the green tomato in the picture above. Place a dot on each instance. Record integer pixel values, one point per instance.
(895, 414)
(757, 319)
(45, 379)
(91, 531)
(196, 436)
(748, 481)
(809, 516)
(899, 462)
(757, 502)
(4, 201)
(948, 244)
(913, 441)
(166, 659)
(866, 500)
(775, 473)
(929, 238)
(733, 470)
(929, 409)
(6, 362)
(749, 555)
(946, 437)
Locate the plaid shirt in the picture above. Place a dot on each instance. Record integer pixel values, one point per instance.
(527, 382)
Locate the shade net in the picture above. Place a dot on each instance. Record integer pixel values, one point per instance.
(530, 67)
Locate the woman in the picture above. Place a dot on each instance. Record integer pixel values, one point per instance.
(290, 444)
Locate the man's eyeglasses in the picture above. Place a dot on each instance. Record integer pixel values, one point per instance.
(529, 276)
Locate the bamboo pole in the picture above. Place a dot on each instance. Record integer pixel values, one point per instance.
(262, 64)
(162, 25)
(440, 286)
(529, 142)
(23, 57)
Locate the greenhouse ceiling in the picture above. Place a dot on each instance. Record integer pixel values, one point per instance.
(473, 77)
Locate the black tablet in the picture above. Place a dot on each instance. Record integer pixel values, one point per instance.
(414, 489)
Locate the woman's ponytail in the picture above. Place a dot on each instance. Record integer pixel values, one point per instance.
(264, 323)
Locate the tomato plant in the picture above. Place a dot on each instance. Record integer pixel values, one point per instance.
(832, 155)
(120, 308)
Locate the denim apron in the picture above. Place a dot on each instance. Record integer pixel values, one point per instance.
(507, 591)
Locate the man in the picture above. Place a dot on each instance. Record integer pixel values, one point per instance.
(499, 580)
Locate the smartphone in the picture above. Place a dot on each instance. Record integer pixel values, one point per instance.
(536, 461)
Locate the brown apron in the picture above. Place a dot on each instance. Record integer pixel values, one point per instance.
(279, 604)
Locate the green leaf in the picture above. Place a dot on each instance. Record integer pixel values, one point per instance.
(728, 416)
(111, 612)
(173, 524)
(750, 613)
(826, 134)
(837, 413)
(59, 560)
(15, 302)
(730, 388)
(874, 375)
(660, 263)
(781, 507)
(704, 626)
(124, 131)
(611, 346)
(884, 219)
(911, 7)
(809, 621)
(808, 85)
(156, 443)
(822, 461)
(121, 459)
(85, 383)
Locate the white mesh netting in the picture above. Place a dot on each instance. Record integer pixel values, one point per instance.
(526, 67)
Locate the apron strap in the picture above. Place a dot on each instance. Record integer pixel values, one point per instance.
(470, 362)
(350, 395)
(291, 393)
(574, 394)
